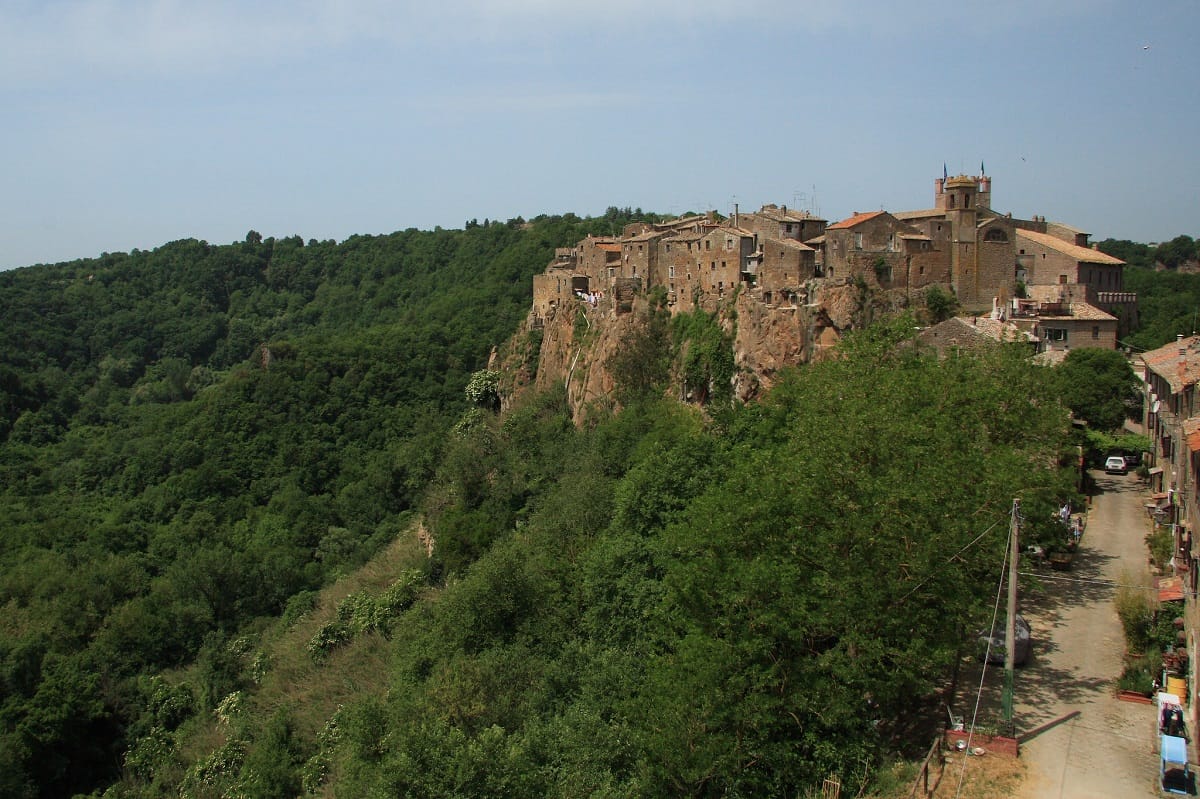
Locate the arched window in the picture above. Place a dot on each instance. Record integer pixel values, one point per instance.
(995, 234)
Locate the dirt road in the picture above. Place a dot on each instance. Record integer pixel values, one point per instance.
(1078, 740)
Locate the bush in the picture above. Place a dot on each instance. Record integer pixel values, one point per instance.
(1139, 675)
(1161, 545)
(299, 606)
(1136, 611)
(331, 635)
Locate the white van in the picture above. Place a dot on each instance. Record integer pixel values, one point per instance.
(1115, 465)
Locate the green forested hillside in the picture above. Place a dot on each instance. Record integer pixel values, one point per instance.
(163, 484)
(673, 601)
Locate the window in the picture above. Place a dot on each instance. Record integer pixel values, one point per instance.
(1095, 331)
(729, 244)
(671, 272)
(708, 245)
(787, 228)
(668, 248)
(995, 234)
(858, 239)
(1055, 334)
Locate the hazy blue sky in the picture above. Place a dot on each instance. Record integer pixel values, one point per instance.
(130, 123)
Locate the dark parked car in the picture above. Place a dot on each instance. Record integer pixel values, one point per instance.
(995, 655)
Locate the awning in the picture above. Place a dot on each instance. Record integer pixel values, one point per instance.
(1170, 589)
(1156, 470)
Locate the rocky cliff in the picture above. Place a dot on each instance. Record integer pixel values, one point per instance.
(575, 341)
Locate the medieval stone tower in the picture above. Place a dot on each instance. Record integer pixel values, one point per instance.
(966, 202)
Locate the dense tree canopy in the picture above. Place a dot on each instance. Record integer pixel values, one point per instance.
(191, 437)
(198, 443)
(1099, 387)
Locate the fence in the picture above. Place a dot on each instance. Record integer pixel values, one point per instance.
(931, 771)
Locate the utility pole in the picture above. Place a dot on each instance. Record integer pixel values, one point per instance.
(1010, 625)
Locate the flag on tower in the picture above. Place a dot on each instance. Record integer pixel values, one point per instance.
(945, 172)
(981, 170)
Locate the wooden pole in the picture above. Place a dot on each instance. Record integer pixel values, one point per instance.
(1010, 624)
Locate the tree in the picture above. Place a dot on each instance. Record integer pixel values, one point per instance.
(940, 303)
(1098, 386)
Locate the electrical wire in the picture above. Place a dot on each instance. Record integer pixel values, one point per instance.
(986, 655)
(1090, 581)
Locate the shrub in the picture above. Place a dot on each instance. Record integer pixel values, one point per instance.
(299, 606)
(1136, 611)
(1139, 675)
(1161, 545)
(331, 635)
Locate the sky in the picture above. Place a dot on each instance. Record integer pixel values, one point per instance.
(127, 124)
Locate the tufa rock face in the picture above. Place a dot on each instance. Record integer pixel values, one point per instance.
(577, 339)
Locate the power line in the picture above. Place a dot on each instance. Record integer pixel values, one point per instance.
(986, 655)
(1089, 580)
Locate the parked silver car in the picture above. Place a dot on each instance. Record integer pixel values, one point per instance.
(1115, 465)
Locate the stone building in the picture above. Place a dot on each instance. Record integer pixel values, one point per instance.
(780, 222)
(1062, 319)
(781, 255)
(1171, 416)
(781, 269)
(972, 333)
(972, 246)
(711, 261)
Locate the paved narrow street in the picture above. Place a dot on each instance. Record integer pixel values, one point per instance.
(1078, 740)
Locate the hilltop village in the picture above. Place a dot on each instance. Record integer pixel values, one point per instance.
(787, 272)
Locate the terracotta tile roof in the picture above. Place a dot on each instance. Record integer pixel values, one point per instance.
(1082, 254)
(915, 236)
(857, 219)
(1083, 310)
(926, 214)
(962, 330)
(777, 214)
(816, 241)
(1167, 364)
(1170, 589)
(1191, 429)
(791, 243)
(609, 247)
(1051, 357)
(1068, 228)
